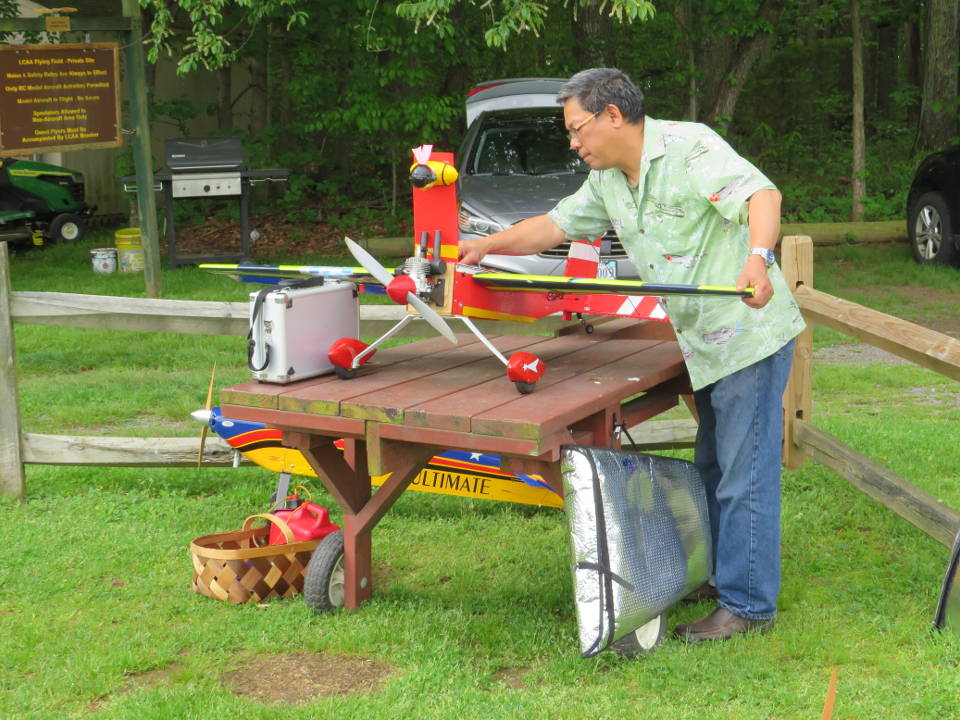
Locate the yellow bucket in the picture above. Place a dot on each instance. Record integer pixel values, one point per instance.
(129, 250)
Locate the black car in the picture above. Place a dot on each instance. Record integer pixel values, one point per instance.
(933, 208)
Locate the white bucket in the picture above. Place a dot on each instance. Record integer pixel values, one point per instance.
(104, 260)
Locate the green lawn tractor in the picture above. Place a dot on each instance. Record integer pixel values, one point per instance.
(41, 202)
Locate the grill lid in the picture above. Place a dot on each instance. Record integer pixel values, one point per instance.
(203, 154)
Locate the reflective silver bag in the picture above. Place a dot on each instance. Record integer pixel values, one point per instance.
(639, 538)
(948, 608)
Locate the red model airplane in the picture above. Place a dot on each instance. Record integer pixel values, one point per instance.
(433, 285)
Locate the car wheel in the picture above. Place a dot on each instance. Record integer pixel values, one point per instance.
(67, 228)
(930, 229)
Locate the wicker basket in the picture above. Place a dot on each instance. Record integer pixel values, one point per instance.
(239, 566)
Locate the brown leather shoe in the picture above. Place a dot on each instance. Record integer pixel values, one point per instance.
(721, 624)
(704, 592)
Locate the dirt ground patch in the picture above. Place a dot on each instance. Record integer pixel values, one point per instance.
(300, 678)
(278, 235)
(513, 678)
(855, 355)
(934, 308)
(927, 307)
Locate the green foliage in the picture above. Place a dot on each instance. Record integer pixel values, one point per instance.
(510, 19)
(201, 33)
(177, 111)
(353, 85)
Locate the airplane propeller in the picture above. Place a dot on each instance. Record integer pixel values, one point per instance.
(204, 416)
(385, 278)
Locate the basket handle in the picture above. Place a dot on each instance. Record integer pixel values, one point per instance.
(276, 520)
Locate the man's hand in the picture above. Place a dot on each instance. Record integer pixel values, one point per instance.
(527, 237)
(472, 251)
(755, 275)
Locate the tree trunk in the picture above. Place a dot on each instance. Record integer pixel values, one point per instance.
(683, 15)
(591, 37)
(859, 180)
(747, 52)
(260, 90)
(938, 105)
(911, 65)
(224, 96)
(885, 70)
(714, 56)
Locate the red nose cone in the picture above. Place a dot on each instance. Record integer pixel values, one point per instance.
(524, 367)
(399, 287)
(344, 350)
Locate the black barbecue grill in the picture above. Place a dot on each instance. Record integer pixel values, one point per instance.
(208, 167)
(203, 167)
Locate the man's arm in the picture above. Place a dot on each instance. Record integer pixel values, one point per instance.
(763, 210)
(527, 237)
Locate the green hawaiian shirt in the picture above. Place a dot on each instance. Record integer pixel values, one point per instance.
(686, 223)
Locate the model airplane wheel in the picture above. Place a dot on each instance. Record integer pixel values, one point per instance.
(345, 373)
(643, 640)
(324, 580)
(525, 388)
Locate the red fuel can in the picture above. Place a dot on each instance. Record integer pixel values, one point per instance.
(307, 521)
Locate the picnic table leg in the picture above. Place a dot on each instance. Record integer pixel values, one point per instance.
(350, 486)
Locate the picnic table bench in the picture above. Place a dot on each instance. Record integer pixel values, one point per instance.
(412, 401)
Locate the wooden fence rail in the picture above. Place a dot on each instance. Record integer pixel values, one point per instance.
(199, 317)
(145, 315)
(935, 518)
(928, 348)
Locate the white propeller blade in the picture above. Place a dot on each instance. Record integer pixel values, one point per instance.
(383, 277)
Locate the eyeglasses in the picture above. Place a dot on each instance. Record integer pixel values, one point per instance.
(574, 132)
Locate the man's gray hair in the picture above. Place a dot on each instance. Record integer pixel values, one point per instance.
(596, 88)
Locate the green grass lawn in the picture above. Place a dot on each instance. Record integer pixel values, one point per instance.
(472, 615)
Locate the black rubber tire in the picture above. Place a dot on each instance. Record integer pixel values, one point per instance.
(930, 228)
(67, 227)
(525, 388)
(643, 640)
(323, 582)
(344, 373)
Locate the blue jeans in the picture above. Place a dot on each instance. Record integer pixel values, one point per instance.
(738, 454)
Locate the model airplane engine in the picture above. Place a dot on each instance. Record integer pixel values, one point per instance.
(421, 269)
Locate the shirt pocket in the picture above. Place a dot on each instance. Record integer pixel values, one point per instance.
(657, 211)
(670, 227)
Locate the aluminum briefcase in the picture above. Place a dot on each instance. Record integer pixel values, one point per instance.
(292, 327)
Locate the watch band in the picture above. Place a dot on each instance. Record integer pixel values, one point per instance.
(768, 257)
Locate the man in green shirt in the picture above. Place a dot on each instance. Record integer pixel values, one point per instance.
(690, 210)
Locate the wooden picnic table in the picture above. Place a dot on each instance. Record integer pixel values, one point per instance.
(413, 401)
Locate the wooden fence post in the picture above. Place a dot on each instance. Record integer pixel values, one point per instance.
(11, 462)
(146, 201)
(796, 260)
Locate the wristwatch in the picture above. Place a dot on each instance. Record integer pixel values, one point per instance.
(768, 257)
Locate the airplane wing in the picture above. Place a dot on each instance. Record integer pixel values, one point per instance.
(272, 274)
(596, 286)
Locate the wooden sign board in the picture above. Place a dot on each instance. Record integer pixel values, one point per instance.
(58, 97)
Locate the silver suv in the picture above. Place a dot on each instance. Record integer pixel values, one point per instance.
(515, 162)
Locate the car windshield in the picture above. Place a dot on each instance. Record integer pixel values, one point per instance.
(524, 146)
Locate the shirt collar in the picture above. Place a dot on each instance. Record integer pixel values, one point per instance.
(653, 146)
